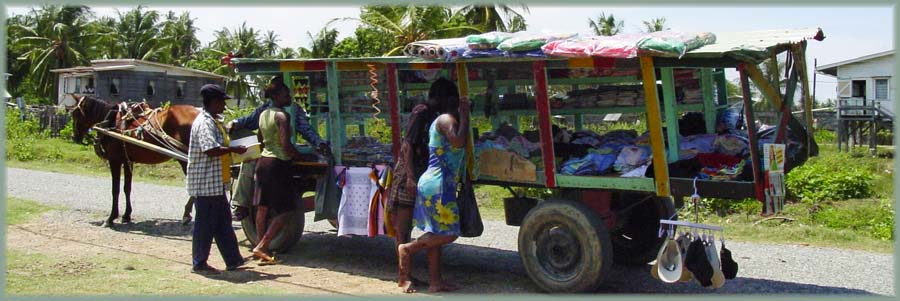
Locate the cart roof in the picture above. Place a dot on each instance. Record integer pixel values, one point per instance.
(729, 50)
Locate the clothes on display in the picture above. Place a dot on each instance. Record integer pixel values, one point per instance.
(358, 186)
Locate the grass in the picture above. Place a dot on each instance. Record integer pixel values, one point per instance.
(58, 155)
(32, 273)
(20, 211)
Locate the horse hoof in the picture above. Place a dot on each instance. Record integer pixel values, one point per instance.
(108, 224)
(126, 220)
(186, 220)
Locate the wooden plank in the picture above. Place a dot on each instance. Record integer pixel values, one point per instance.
(800, 58)
(542, 103)
(293, 66)
(462, 80)
(336, 130)
(764, 85)
(177, 155)
(787, 101)
(654, 124)
(751, 133)
(635, 184)
(358, 66)
(394, 108)
(709, 101)
(721, 87)
(668, 87)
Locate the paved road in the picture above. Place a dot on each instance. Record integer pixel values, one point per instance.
(764, 268)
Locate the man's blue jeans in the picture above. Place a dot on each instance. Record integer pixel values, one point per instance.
(214, 221)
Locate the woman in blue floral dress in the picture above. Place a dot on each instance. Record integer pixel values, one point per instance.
(436, 212)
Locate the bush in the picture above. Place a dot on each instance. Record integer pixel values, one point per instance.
(833, 178)
(825, 136)
(875, 221)
(723, 207)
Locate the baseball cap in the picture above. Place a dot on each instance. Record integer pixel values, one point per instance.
(213, 90)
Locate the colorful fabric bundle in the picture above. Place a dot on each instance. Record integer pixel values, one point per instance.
(475, 53)
(525, 42)
(617, 46)
(674, 44)
(443, 49)
(488, 40)
(576, 47)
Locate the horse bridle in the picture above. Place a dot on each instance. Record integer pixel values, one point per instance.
(78, 106)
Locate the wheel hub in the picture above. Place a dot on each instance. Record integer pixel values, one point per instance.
(559, 252)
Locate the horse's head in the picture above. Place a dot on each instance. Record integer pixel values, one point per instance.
(86, 114)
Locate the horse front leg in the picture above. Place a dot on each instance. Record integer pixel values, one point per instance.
(186, 218)
(129, 168)
(115, 172)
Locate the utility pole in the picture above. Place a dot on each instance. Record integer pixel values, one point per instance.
(815, 71)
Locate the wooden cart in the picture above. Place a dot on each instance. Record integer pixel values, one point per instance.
(567, 243)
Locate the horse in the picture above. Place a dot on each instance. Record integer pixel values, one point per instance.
(165, 127)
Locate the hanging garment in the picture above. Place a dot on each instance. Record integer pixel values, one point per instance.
(376, 206)
(357, 192)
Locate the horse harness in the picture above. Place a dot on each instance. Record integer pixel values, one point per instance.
(124, 114)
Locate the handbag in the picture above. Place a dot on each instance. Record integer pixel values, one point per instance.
(470, 224)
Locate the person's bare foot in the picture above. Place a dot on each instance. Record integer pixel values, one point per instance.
(262, 255)
(443, 286)
(403, 280)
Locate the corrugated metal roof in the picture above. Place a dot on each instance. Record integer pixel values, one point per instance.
(755, 46)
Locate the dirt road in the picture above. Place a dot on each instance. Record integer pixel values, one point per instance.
(322, 263)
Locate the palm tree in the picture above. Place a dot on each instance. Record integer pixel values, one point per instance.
(286, 53)
(138, 34)
(241, 41)
(412, 23)
(606, 25)
(323, 43)
(655, 24)
(497, 17)
(53, 37)
(180, 37)
(270, 43)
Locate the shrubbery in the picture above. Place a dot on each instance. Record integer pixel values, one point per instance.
(837, 177)
(876, 221)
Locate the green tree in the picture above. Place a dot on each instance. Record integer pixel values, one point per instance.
(497, 17)
(366, 42)
(269, 43)
(180, 36)
(412, 23)
(655, 24)
(606, 25)
(138, 34)
(52, 37)
(322, 43)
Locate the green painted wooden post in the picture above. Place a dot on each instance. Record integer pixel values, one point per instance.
(579, 122)
(709, 102)
(336, 130)
(670, 111)
(721, 90)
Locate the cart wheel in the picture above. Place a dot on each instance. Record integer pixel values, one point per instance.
(564, 247)
(290, 234)
(635, 238)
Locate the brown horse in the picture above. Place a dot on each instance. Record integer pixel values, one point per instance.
(165, 127)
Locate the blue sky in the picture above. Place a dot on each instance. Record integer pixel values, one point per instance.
(851, 31)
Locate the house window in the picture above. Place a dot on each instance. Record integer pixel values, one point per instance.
(179, 90)
(77, 85)
(90, 86)
(881, 88)
(858, 89)
(114, 86)
(151, 88)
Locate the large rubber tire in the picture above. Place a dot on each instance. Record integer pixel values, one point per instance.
(290, 234)
(565, 247)
(635, 238)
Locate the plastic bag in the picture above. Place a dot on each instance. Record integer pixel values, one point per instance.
(488, 40)
(674, 44)
(576, 47)
(525, 42)
(617, 46)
